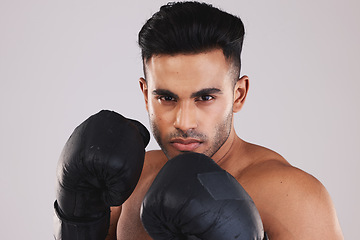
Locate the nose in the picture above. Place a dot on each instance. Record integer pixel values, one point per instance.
(186, 117)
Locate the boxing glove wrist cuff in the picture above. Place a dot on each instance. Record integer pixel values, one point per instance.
(65, 229)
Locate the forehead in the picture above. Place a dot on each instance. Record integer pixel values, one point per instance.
(190, 71)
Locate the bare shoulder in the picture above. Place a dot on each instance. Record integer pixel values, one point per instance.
(292, 203)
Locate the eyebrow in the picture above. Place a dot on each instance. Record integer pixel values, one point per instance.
(165, 92)
(206, 91)
(202, 92)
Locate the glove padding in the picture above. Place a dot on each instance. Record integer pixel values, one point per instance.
(99, 167)
(193, 198)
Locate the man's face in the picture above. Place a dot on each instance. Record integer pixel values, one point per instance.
(190, 100)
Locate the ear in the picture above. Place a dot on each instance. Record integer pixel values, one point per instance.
(240, 92)
(144, 89)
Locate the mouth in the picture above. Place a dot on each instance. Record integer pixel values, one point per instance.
(185, 145)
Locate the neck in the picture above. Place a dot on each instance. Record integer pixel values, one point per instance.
(233, 155)
(225, 152)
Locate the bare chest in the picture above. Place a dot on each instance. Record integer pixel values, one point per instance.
(129, 225)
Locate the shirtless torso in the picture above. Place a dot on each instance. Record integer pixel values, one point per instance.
(292, 203)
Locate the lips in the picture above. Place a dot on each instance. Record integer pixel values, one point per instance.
(187, 145)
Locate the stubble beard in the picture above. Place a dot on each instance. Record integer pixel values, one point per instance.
(222, 133)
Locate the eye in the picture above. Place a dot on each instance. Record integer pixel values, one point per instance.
(166, 98)
(205, 98)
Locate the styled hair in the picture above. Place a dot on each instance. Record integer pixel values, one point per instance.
(191, 28)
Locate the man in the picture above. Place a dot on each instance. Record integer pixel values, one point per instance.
(192, 87)
(191, 90)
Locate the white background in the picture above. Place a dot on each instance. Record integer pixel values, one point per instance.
(62, 61)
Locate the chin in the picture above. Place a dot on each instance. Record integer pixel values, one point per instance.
(173, 153)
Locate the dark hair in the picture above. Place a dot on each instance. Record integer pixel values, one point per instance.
(192, 27)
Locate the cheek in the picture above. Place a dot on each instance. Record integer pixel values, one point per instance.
(154, 112)
(215, 114)
(159, 116)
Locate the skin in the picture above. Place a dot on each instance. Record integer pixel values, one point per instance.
(191, 100)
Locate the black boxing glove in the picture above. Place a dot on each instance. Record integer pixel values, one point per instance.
(193, 198)
(99, 167)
